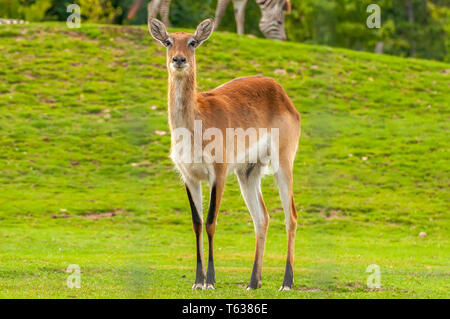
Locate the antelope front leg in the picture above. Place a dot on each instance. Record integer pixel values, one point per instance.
(215, 198)
(194, 192)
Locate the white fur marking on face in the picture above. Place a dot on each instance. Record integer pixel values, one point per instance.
(175, 69)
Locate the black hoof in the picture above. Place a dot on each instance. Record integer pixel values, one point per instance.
(254, 285)
(285, 288)
(288, 280)
(198, 286)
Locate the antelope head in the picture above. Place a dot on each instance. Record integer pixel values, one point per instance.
(180, 45)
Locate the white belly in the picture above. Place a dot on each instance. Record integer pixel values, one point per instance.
(191, 170)
(194, 171)
(203, 169)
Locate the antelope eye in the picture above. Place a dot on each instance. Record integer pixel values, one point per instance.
(167, 43)
(192, 43)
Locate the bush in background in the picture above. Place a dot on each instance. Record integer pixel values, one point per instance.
(27, 10)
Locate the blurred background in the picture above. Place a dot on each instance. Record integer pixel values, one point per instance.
(410, 28)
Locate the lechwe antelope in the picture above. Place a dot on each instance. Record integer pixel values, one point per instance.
(249, 103)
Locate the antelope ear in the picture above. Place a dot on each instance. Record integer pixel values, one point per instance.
(158, 31)
(204, 30)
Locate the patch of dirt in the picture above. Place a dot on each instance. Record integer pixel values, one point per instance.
(159, 53)
(92, 216)
(139, 33)
(117, 64)
(280, 71)
(97, 216)
(158, 66)
(106, 113)
(308, 289)
(333, 214)
(46, 100)
(327, 212)
(29, 75)
(354, 285)
(61, 216)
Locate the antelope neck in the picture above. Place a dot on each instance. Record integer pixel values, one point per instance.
(182, 101)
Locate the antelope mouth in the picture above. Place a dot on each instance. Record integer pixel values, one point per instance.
(179, 67)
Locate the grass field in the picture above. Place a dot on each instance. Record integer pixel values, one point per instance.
(85, 176)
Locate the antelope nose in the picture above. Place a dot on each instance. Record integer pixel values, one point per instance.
(179, 59)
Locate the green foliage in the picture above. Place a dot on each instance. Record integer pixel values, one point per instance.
(441, 13)
(58, 10)
(23, 9)
(252, 17)
(343, 23)
(10, 9)
(187, 13)
(340, 23)
(36, 11)
(100, 11)
(85, 179)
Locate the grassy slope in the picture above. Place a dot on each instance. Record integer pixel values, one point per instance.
(76, 113)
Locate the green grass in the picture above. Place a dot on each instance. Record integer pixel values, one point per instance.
(78, 113)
